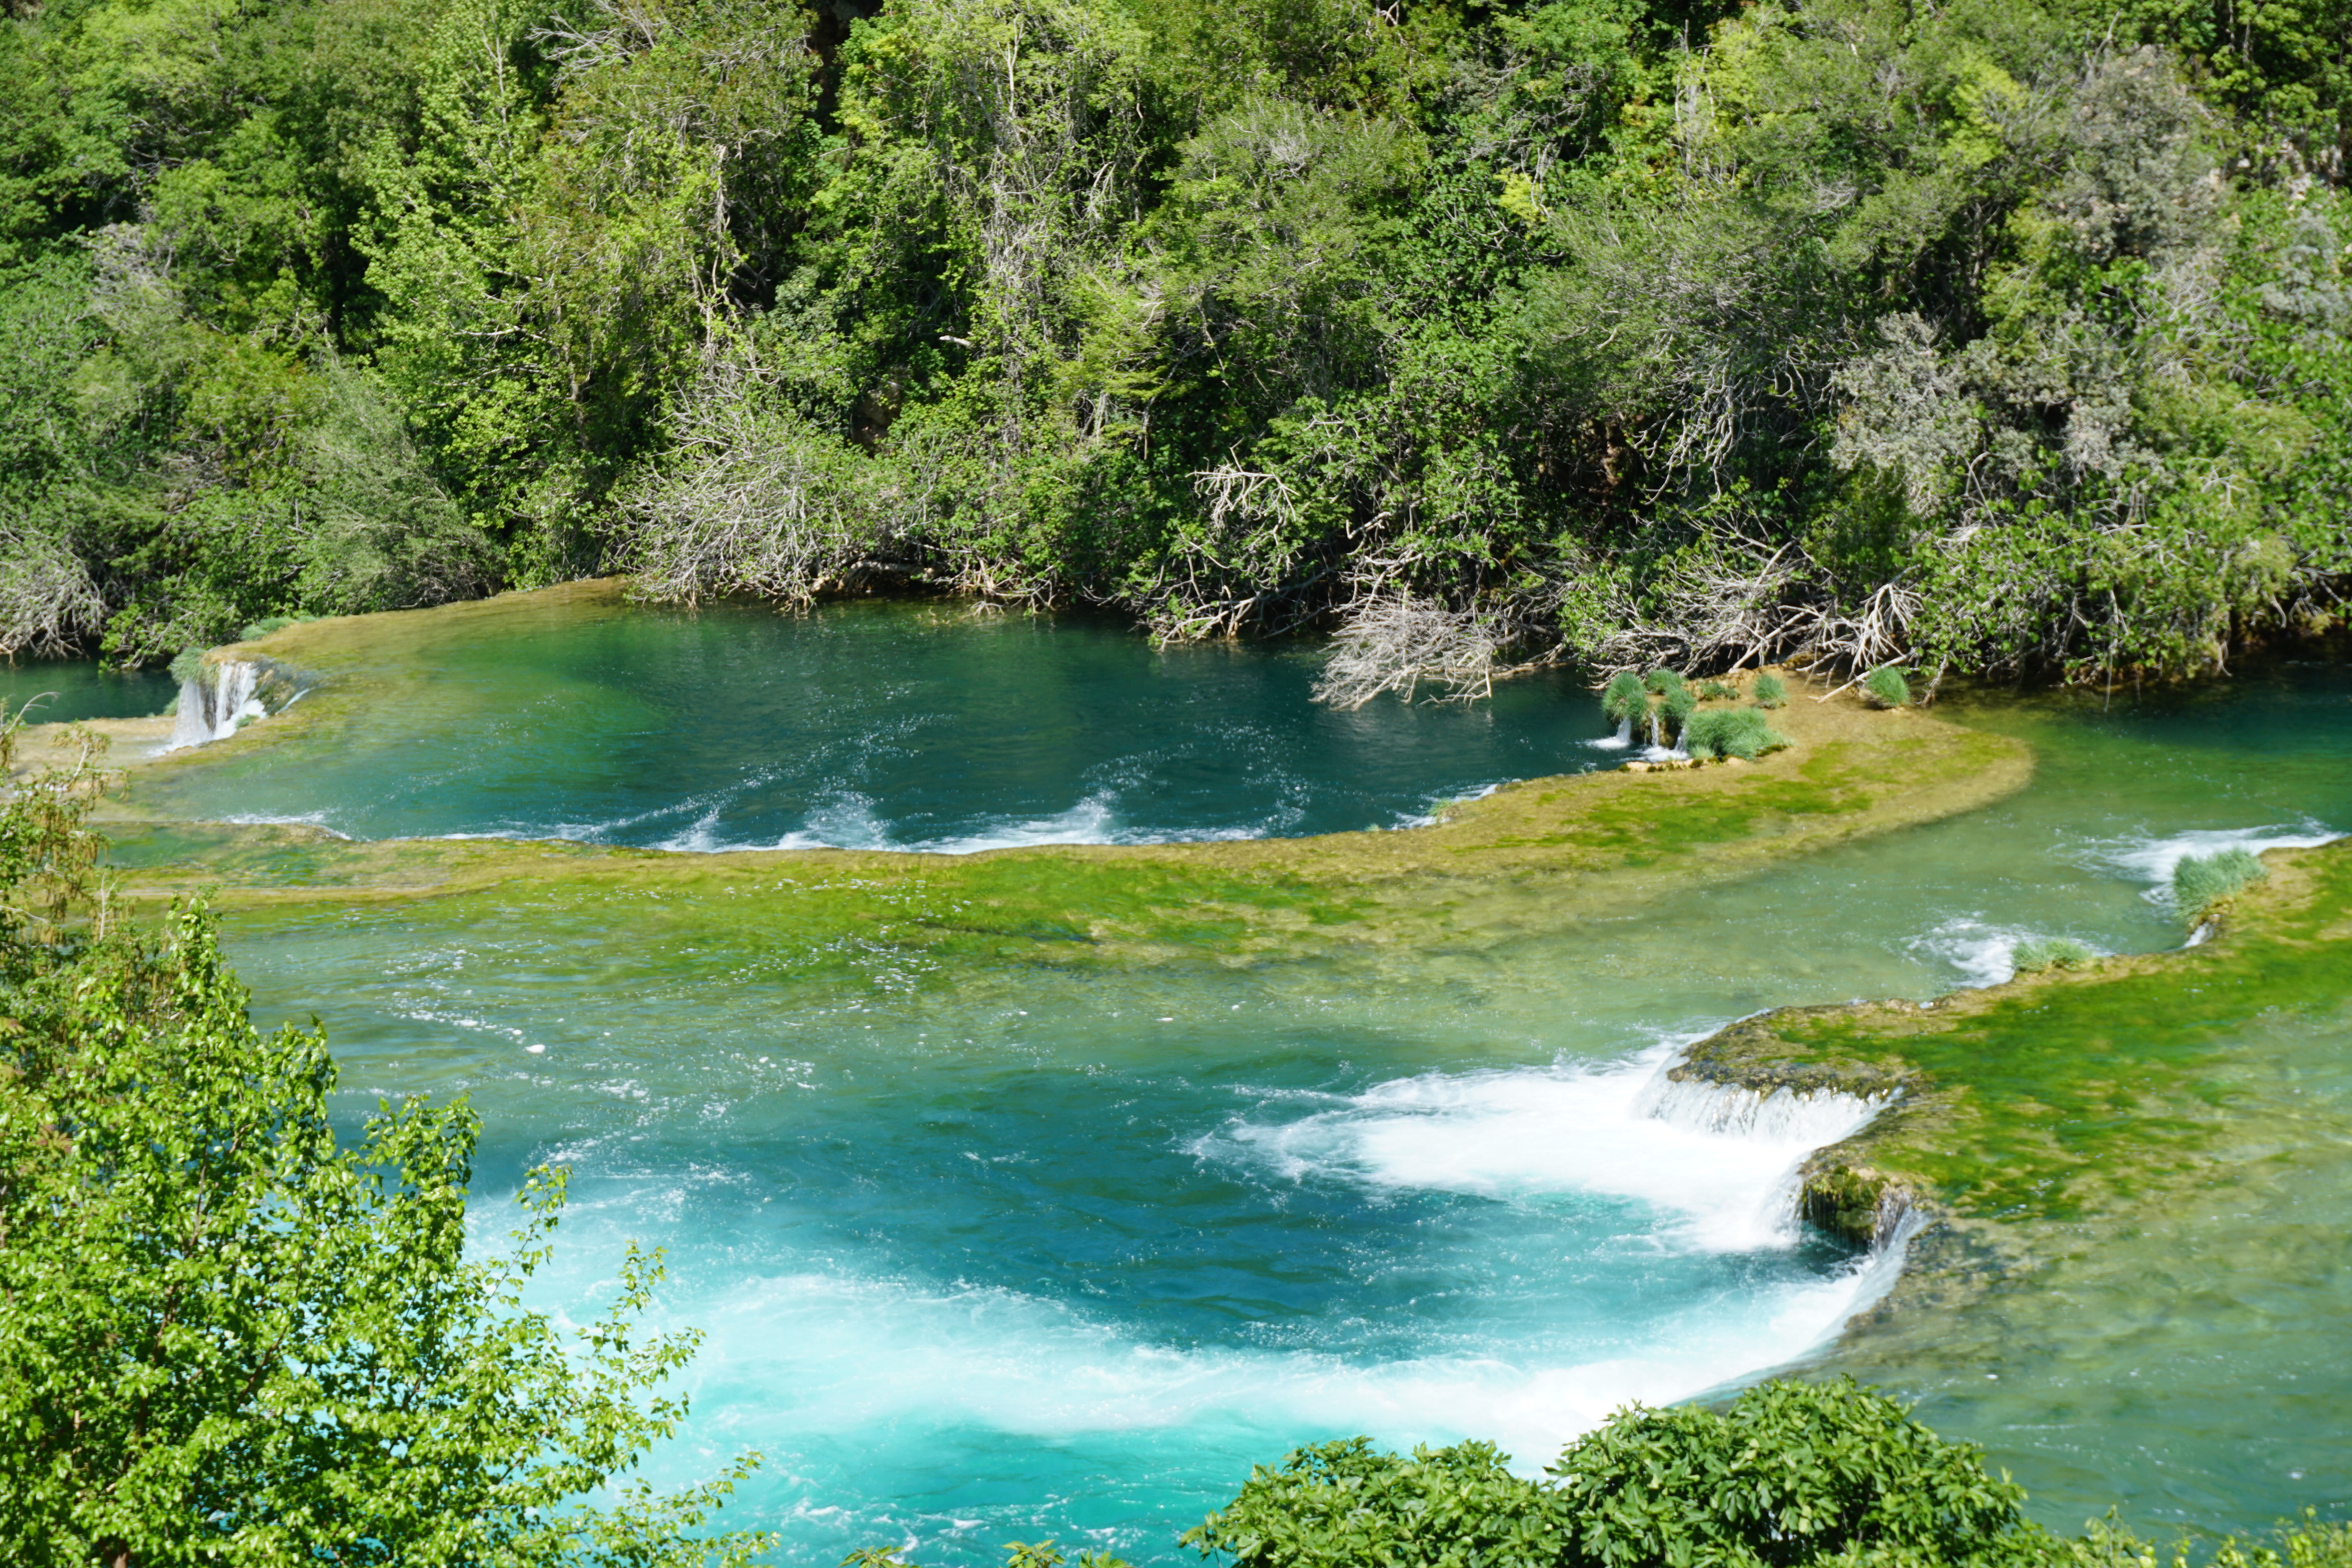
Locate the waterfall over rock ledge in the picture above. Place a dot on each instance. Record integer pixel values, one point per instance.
(225, 693)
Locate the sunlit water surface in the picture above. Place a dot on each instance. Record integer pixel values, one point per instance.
(988, 1253)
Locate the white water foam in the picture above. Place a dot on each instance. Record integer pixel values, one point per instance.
(1719, 1166)
(831, 1355)
(848, 821)
(1428, 818)
(1617, 742)
(804, 1351)
(2145, 857)
(817, 1352)
(220, 697)
(1982, 954)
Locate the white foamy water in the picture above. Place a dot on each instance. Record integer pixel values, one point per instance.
(807, 1353)
(220, 697)
(820, 1354)
(1979, 953)
(2145, 857)
(1716, 1162)
(1617, 742)
(849, 822)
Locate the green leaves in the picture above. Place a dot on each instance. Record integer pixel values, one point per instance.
(1790, 1473)
(225, 1337)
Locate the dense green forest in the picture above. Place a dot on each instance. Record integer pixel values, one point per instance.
(1996, 335)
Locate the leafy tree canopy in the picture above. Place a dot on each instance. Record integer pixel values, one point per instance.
(228, 1337)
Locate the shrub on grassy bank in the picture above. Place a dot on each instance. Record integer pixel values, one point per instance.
(1789, 1475)
(1887, 687)
(2037, 953)
(1771, 691)
(1626, 700)
(2200, 881)
(1741, 732)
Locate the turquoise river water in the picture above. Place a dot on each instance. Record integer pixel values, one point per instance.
(1015, 1251)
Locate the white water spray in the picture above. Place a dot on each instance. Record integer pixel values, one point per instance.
(221, 695)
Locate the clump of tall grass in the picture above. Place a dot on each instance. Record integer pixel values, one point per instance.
(1889, 685)
(1675, 709)
(2037, 953)
(1771, 691)
(1626, 700)
(2200, 881)
(1715, 691)
(1664, 681)
(1742, 732)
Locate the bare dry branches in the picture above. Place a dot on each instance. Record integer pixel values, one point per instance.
(1398, 644)
(48, 601)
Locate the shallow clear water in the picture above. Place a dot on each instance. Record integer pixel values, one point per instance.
(998, 1251)
(63, 690)
(882, 725)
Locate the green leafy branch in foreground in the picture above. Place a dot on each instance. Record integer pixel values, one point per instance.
(227, 1338)
(1790, 1473)
(1017, 1554)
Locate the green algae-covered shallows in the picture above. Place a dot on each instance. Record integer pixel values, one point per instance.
(1545, 850)
(2089, 1092)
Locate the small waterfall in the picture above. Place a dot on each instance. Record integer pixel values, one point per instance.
(1617, 742)
(1813, 1118)
(221, 695)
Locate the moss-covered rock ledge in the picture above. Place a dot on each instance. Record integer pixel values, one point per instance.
(2071, 1097)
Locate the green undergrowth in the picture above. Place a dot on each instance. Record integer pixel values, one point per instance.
(1639, 827)
(2088, 1088)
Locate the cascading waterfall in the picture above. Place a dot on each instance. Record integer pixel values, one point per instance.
(1796, 1120)
(224, 694)
(1813, 1118)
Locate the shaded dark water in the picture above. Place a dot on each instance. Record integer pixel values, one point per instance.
(870, 726)
(62, 690)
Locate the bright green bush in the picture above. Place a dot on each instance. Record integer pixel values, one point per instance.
(1625, 700)
(1771, 691)
(230, 1331)
(1662, 681)
(1744, 733)
(1889, 685)
(2037, 953)
(2200, 881)
(1675, 709)
(1792, 1473)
